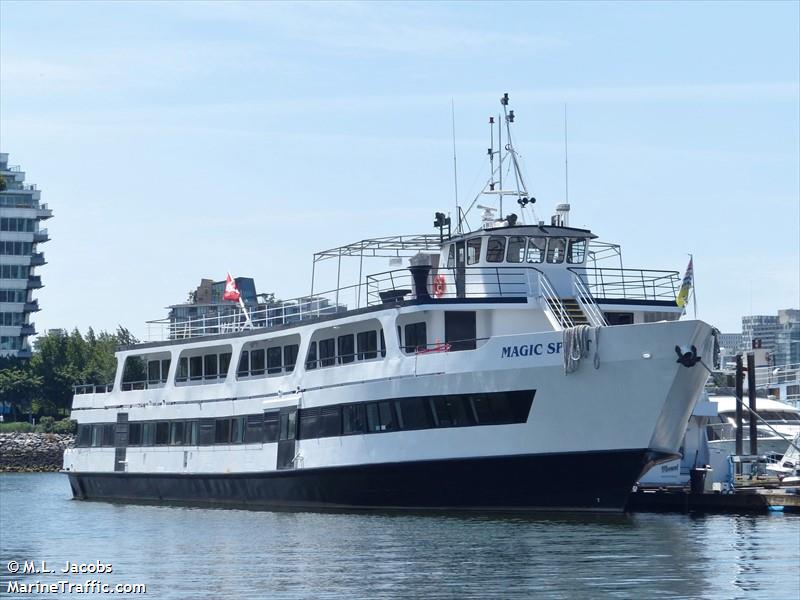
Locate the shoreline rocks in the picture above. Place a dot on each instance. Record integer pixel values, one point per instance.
(33, 452)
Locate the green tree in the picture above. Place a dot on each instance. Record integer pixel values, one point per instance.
(18, 387)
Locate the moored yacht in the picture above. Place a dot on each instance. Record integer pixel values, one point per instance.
(482, 374)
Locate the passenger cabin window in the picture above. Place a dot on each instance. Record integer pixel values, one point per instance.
(311, 358)
(473, 251)
(274, 360)
(381, 417)
(536, 248)
(495, 249)
(516, 249)
(212, 365)
(327, 352)
(346, 351)
(577, 251)
(267, 358)
(134, 373)
(157, 371)
(555, 250)
(290, 356)
(416, 337)
(412, 413)
(367, 343)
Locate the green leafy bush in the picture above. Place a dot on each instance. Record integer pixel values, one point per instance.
(17, 427)
(65, 426)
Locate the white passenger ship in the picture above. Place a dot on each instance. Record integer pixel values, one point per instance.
(503, 369)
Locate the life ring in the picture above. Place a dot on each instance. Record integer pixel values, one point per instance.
(439, 286)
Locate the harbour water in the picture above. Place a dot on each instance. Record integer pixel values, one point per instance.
(201, 553)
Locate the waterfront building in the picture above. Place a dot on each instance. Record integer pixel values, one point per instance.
(21, 213)
(787, 339)
(759, 331)
(730, 344)
(206, 312)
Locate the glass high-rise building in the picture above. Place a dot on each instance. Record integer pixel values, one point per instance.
(21, 214)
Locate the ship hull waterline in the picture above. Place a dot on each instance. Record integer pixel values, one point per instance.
(580, 481)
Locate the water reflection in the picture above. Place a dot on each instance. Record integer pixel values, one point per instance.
(190, 552)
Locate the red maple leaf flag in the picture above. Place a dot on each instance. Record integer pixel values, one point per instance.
(231, 291)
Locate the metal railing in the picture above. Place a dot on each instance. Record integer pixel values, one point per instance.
(629, 284)
(587, 303)
(553, 302)
(452, 282)
(233, 319)
(91, 388)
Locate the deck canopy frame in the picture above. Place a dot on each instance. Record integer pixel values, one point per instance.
(395, 246)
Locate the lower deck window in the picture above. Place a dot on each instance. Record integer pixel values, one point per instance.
(381, 417)
(411, 413)
(222, 433)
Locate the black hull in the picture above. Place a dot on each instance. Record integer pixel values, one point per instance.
(595, 481)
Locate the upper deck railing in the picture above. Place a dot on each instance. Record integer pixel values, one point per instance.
(629, 284)
(453, 282)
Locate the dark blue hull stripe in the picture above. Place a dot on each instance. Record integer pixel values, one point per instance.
(571, 481)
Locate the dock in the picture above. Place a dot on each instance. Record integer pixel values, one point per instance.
(758, 500)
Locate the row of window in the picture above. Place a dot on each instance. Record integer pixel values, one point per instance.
(535, 250)
(10, 343)
(14, 271)
(272, 361)
(11, 319)
(405, 414)
(17, 224)
(345, 349)
(13, 295)
(18, 200)
(518, 249)
(16, 248)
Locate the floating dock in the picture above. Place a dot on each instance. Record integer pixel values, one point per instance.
(681, 500)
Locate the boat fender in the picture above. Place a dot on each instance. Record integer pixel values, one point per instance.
(439, 286)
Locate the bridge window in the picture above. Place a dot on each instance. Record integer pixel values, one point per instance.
(516, 249)
(495, 249)
(451, 256)
(577, 251)
(536, 248)
(555, 250)
(473, 251)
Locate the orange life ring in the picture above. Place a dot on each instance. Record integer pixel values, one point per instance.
(439, 286)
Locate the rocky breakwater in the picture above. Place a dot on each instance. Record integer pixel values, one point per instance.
(30, 452)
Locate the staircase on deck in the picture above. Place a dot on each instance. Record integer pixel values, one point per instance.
(569, 313)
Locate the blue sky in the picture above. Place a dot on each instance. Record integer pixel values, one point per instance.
(176, 141)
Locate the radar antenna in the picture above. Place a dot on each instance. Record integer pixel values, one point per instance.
(508, 158)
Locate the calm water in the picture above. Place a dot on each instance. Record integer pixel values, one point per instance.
(197, 553)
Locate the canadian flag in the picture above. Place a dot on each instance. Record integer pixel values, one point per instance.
(231, 291)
